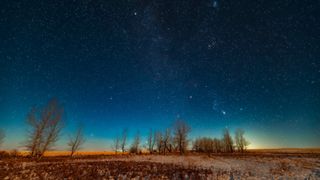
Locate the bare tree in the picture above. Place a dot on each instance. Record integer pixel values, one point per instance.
(217, 145)
(241, 142)
(173, 145)
(2, 136)
(181, 130)
(159, 141)
(35, 133)
(196, 145)
(116, 144)
(151, 141)
(166, 141)
(76, 142)
(204, 144)
(124, 140)
(135, 147)
(227, 141)
(45, 126)
(207, 145)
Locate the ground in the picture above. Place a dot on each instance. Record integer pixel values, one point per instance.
(253, 165)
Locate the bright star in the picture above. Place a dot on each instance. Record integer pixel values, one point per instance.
(223, 112)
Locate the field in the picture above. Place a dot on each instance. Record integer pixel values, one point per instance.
(262, 164)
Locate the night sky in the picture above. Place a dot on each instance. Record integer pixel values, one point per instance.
(141, 64)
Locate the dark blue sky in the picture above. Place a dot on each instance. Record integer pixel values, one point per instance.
(141, 64)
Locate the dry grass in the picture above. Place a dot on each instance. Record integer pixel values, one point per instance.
(258, 164)
(287, 150)
(67, 153)
(253, 151)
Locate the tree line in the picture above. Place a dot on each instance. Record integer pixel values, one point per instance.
(224, 145)
(169, 141)
(45, 125)
(175, 140)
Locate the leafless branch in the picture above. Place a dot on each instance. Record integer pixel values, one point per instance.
(76, 142)
(45, 127)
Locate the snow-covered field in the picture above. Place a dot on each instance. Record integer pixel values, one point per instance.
(257, 166)
(246, 166)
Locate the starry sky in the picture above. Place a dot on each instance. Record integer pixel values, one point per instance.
(141, 64)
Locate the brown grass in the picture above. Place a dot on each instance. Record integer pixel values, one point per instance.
(255, 152)
(67, 153)
(287, 150)
(257, 164)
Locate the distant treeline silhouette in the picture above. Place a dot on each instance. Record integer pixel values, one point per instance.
(45, 125)
(225, 144)
(176, 140)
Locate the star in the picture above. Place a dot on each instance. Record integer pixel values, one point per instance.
(223, 112)
(215, 3)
